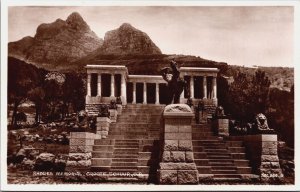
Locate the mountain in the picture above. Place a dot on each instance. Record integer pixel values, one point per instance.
(57, 43)
(128, 40)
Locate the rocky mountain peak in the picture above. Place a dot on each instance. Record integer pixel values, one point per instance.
(59, 42)
(76, 21)
(128, 40)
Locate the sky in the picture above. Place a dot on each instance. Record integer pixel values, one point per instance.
(244, 36)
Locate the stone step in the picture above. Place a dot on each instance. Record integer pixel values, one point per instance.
(241, 162)
(209, 151)
(101, 161)
(222, 160)
(101, 154)
(198, 149)
(200, 155)
(103, 148)
(100, 168)
(104, 142)
(227, 176)
(227, 167)
(123, 164)
(238, 155)
(244, 170)
(125, 159)
(218, 156)
(224, 171)
(202, 162)
(234, 143)
(221, 163)
(236, 149)
(124, 170)
(204, 169)
(126, 150)
(125, 155)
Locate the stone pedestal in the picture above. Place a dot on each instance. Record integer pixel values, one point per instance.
(202, 116)
(113, 115)
(79, 160)
(119, 109)
(221, 126)
(81, 142)
(177, 164)
(102, 126)
(262, 150)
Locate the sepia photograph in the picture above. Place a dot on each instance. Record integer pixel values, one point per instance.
(148, 95)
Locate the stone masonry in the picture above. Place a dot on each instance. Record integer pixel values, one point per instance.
(177, 164)
(262, 149)
(103, 126)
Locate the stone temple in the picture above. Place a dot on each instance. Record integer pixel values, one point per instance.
(145, 141)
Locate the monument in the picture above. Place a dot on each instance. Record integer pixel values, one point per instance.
(175, 83)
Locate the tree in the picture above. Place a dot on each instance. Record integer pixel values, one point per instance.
(21, 78)
(73, 93)
(53, 93)
(249, 95)
(37, 95)
(260, 87)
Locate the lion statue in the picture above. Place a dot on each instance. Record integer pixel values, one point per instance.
(261, 124)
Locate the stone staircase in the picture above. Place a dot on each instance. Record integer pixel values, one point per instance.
(217, 159)
(130, 152)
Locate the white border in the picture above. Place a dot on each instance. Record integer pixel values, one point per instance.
(99, 187)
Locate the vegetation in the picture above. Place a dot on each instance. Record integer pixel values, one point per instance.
(253, 93)
(52, 98)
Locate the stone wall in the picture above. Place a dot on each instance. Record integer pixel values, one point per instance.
(177, 164)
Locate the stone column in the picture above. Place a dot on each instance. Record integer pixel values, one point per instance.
(134, 93)
(99, 85)
(123, 89)
(157, 94)
(112, 85)
(204, 87)
(145, 93)
(192, 87)
(88, 84)
(214, 87)
(177, 165)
